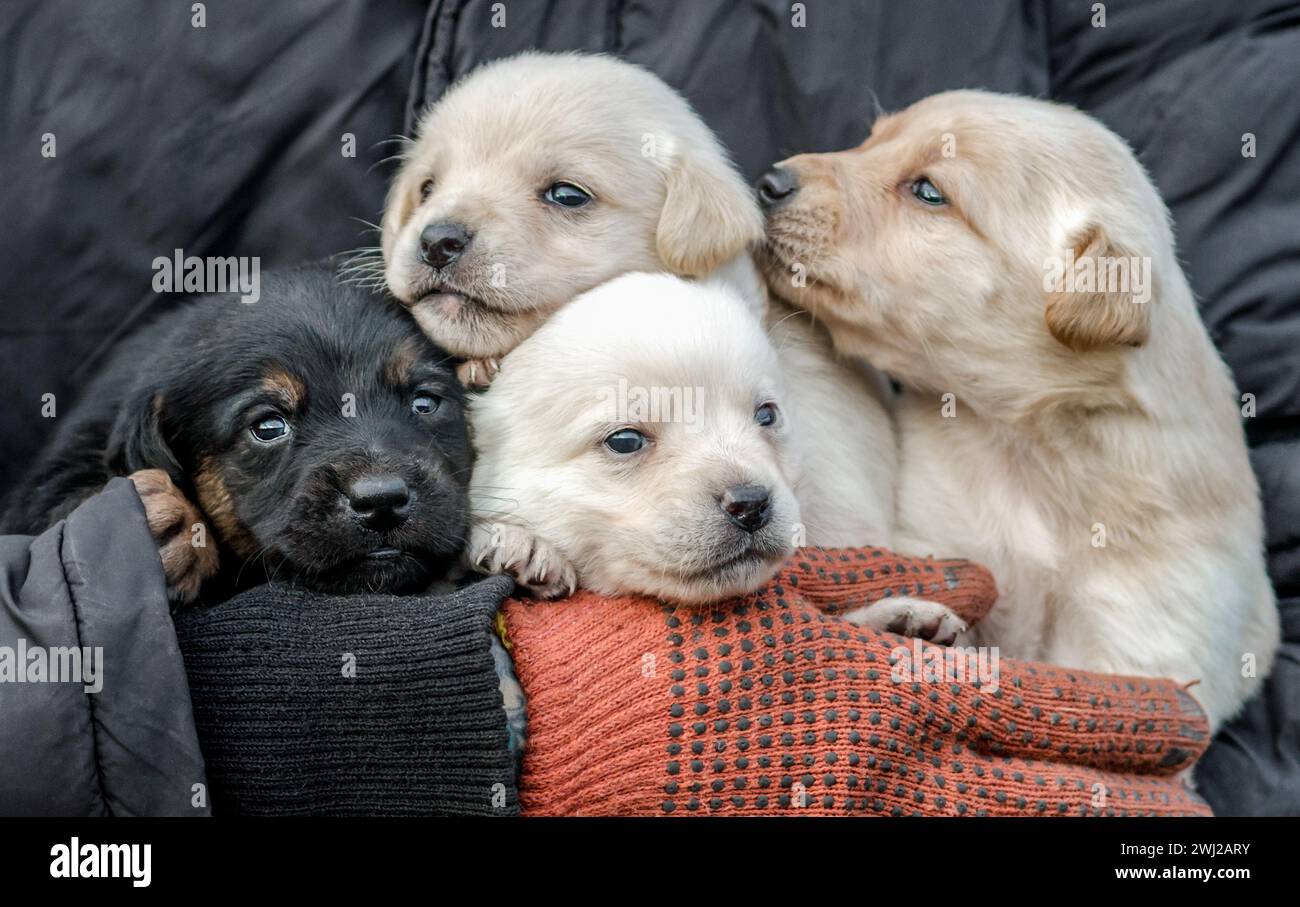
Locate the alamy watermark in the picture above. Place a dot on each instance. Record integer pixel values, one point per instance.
(1129, 274)
(918, 663)
(53, 664)
(75, 860)
(215, 274)
(635, 404)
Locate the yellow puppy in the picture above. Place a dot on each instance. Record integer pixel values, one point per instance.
(1068, 421)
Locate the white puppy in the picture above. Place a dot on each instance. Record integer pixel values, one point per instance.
(640, 442)
(1069, 423)
(538, 177)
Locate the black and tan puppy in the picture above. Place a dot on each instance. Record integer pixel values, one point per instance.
(316, 432)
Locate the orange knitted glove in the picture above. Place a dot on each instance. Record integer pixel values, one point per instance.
(845, 580)
(768, 705)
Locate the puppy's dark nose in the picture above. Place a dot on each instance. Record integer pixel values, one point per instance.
(380, 502)
(748, 506)
(442, 243)
(777, 185)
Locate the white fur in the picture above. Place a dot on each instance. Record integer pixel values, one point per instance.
(555, 507)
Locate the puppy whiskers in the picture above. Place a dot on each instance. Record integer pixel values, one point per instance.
(364, 267)
(259, 555)
(373, 226)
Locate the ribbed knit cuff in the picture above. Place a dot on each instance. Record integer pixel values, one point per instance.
(309, 704)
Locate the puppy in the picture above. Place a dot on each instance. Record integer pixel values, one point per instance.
(648, 455)
(539, 177)
(639, 442)
(1068, 421)
(318, 434)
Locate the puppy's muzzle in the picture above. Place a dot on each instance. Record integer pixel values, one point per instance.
(747, 506)
(777, 186)
(380, 502)
(443, 243)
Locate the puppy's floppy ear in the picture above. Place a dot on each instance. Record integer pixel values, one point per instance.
(137, 442)
(1093, 303)
(709, 214)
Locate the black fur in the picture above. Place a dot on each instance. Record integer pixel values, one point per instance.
(185, 392)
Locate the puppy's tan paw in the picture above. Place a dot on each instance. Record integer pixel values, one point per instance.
(477, 374)
(188, 552)
(535, 564)
(910, 617)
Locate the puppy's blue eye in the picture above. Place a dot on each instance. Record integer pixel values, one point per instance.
(765, 415)
(269, 430)
(567, 195)
(626, 441)
(928, 192)
(425, 404)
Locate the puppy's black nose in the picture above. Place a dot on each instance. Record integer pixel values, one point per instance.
(442, 243)
(748, 506)
(777, 185)
(380, 502)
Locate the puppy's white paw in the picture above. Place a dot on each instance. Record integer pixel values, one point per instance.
(910, 617)
(477, 374)
(534, 563)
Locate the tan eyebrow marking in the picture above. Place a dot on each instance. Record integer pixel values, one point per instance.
(287, 387)
(397, 370)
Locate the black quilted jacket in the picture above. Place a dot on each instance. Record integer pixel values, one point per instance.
(228, 139)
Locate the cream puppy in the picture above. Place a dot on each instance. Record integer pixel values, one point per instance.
(538, 177)
(1068, 421)
(639, 443)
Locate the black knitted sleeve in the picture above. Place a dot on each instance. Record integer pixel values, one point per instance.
(309, 704)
